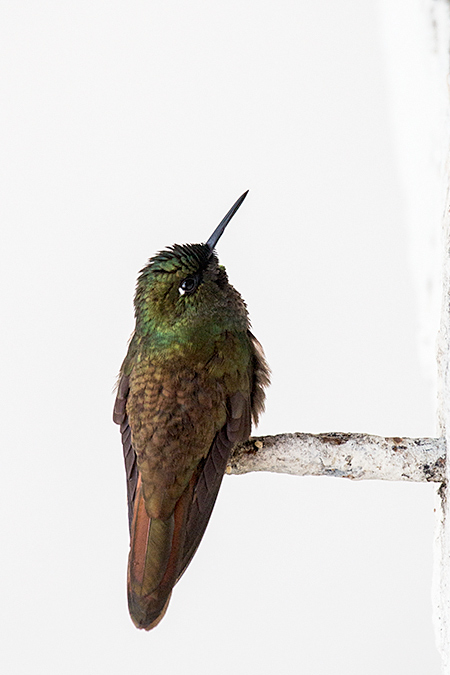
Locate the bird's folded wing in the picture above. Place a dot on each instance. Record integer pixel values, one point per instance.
(129, 455)
(210, 473)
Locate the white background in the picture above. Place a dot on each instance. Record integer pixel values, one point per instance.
(126, 127)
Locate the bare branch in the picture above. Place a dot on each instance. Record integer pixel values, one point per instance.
(354, 456)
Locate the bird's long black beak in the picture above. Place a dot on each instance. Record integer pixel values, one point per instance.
(214, 238)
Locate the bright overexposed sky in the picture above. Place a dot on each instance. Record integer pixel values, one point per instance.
(127, 127)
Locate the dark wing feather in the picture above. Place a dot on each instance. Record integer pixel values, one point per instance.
(120, 417)
(260, 377)
(211, 471)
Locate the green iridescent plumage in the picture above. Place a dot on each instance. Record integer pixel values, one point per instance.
(191, 382)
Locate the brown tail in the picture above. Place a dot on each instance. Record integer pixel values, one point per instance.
(153, 564)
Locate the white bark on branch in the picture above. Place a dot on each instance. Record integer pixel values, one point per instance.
(354, 456)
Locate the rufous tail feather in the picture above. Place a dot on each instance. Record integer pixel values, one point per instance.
(153, 564)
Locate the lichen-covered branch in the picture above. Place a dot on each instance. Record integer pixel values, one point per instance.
(354, 456)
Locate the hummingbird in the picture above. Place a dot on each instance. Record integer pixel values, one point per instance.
(191, 383)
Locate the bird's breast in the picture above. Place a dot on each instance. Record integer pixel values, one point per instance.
(174, 413)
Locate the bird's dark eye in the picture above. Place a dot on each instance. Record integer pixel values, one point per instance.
(188, 285)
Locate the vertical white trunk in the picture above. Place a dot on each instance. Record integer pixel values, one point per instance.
(417, 47)
(437, 13)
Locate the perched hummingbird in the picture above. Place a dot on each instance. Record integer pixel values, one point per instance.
(188, 388)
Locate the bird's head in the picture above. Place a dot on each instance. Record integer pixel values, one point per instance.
(184, 285)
